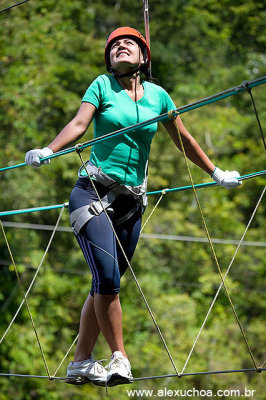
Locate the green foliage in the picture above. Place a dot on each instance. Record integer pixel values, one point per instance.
(50, 51)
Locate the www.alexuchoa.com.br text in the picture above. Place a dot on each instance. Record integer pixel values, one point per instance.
(165, 393)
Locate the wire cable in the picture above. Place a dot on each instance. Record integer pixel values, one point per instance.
(257, 117)
(225, 275)
(26, 301)
(151, 213)
(14, 5)
(35, 276)
(212, 248)
(229, 371)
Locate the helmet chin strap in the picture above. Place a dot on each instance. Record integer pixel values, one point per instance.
(118, 75)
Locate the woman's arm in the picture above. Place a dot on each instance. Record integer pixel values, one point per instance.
(193, 150)
(69, 134)
(75, 128)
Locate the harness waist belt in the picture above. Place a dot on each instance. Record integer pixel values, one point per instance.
(80, 216)
(107, 181)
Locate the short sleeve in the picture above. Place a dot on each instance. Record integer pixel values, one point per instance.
(167, 102)
(93, 94)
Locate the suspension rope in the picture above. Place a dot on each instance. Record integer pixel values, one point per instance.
(152, 211)
(257, 117)
(159, 236)
(78, 150)
(35, 275)
(26, 301)
(147, 21)
(210, 242)
(225, 275)
(200, 103)
(200, 373)
(65, 356)
(147, 27)
(14, 5)
(161, 191)
(229, 371)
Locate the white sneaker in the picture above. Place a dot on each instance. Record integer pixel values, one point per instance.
(86, 371)
(119, 370)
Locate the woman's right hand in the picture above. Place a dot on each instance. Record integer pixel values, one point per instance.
(33, 156)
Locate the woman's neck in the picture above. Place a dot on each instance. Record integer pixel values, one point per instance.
(130, 83)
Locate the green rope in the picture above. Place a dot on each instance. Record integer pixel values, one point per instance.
(205, 185)
(200, 103)
(28, 210)
(162, 191)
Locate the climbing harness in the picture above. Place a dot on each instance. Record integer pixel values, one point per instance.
(80, 216)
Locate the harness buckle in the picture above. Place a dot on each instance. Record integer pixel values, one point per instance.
(96, 207)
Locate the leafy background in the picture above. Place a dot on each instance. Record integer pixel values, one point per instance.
(50, 51)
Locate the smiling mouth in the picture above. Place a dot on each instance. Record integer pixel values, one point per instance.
(122, 52)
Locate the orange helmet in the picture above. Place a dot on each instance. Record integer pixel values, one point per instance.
(127, 31)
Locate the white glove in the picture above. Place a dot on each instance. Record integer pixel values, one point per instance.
(33, 156)
(226, 178)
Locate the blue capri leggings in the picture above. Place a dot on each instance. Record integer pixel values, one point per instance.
(97, 241)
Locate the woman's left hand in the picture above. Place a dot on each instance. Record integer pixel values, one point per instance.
(227, 179)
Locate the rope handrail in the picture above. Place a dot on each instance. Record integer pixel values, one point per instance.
(229, 371)
(245, 86)
(14, 5)
(161, 191)
(205, 185)
(34, 209)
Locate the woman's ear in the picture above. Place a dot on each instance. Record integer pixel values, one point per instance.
(142, 58)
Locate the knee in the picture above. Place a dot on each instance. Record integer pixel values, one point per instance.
(107, 299)
(110, 297)
(108, 287)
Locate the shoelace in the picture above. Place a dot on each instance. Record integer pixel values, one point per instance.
(99, 364)
(119, 362)
(115, 361)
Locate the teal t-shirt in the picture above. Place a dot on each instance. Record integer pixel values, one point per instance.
(125, 156)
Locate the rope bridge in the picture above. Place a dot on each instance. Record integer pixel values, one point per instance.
(245, 86)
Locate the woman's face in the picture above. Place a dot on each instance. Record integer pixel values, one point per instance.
(125, 55)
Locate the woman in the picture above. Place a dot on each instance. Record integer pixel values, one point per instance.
(117, 170)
